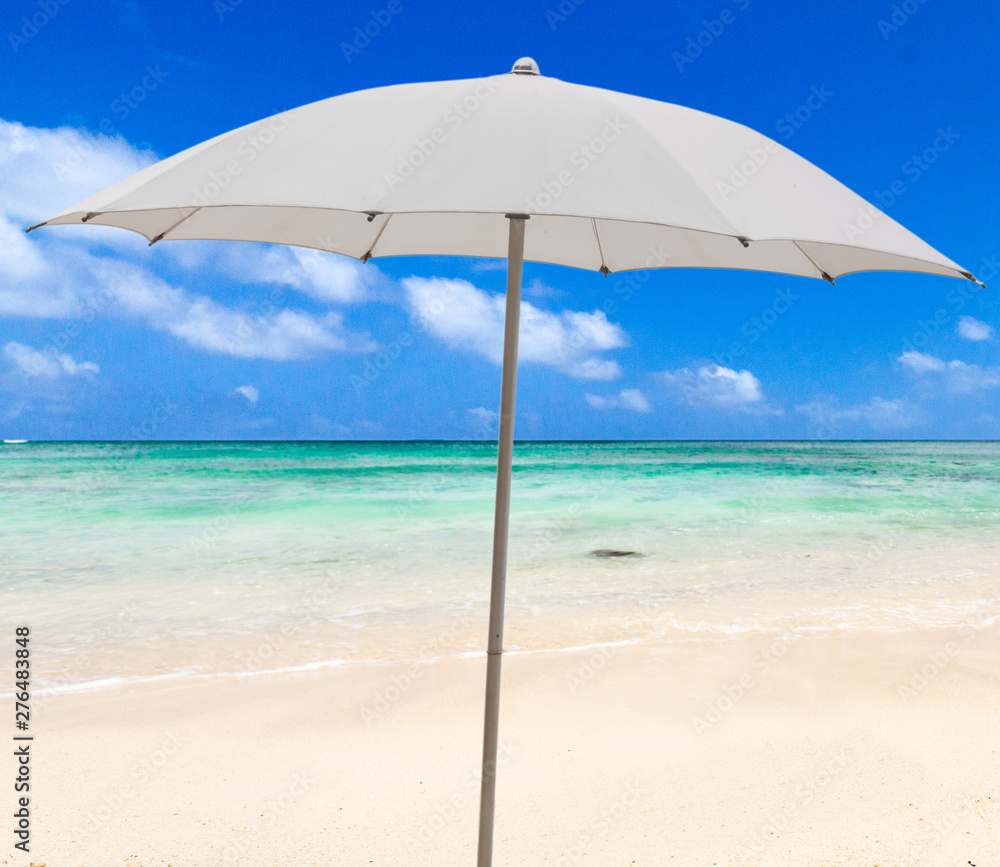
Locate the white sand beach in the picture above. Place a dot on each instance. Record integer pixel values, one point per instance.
(860, 748)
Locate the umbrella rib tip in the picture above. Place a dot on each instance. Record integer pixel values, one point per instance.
(968, 275)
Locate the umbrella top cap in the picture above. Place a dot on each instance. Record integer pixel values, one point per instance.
(525, 66)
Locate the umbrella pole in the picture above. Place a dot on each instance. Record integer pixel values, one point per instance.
(501, 521)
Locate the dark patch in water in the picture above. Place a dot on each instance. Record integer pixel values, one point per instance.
(613, 552)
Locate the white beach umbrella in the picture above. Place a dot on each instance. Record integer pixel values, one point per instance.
(523, 166)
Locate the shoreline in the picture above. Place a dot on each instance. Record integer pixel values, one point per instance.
(604, 761)
(50, 693)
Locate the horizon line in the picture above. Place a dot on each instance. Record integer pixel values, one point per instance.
(489, 441)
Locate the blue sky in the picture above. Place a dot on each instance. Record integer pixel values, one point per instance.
(102, 338)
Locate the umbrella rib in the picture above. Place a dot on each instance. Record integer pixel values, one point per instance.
(174, 226)
(823, 273)
(604, 268)
(950, 269)
(371, 249)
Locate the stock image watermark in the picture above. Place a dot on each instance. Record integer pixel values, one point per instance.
(804, 796)
(22, 740)
(102, 639)
(935, 832)
(629, 631)
(95, 303)
(956, 300)
(225, 7)
(586, 498)
(794, 120)
(556, 15)
(141, 773)
(580, 159)
(600, 825)
(401, 682)
(625, 286)
(421, 495)
(258, 659)
(30, 26)
(899, 15)
(939, 661)
(712, 29)
(743, 170)
(762, 496)
(249, 148)
(260, 313)
(215, 528)
(378, 362)
(121, 107)
(424, 147)
(376, 24)
(107, 470)
(270, 815)
(912, 170)
(732, 694)
(450, 808)
(757, 326)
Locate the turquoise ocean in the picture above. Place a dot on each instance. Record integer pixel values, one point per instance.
(132, 561)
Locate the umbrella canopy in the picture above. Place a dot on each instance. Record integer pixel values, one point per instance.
(613, 182)
(609, 182)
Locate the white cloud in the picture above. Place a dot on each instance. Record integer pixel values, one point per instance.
(970, 328)
(250, 392)
(956, 376)
(489, 265)
(80, 274)
(920, 362)
(486, 417)
(537, 289)
(46, 365)
(878, 414)
(594, 369)
(324, 276)
(627, 398)
(44, 171)
(715, 385)
(464, 316)
(205, 324)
